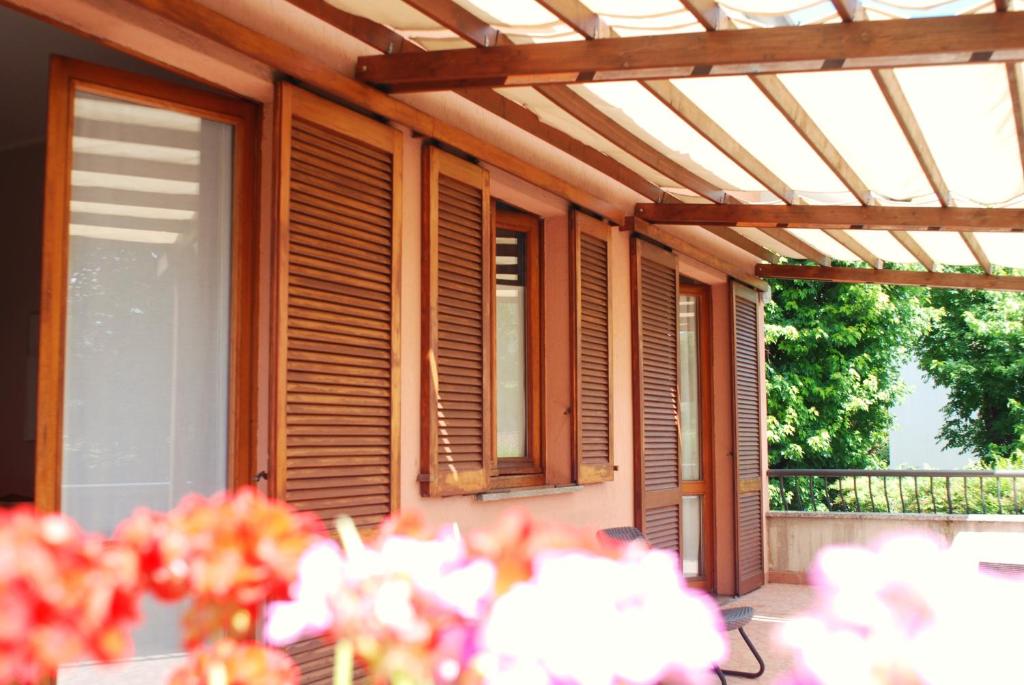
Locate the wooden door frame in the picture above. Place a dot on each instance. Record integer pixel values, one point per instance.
(66, 77)
(702, 292)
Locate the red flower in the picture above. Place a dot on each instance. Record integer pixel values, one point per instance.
(230, 662)
(229, 553)
(64, 595)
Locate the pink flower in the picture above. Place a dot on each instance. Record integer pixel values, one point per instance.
(593, 620)
(521, 603)
(908, 611)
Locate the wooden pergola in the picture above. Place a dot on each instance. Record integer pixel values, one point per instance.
(718, 44)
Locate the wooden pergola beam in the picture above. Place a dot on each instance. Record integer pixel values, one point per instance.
(474, 30)
(387, 41)
(965, 39)
(847, 241)
(901, 109)
(915, 249)
(890, 277)
(612, 131)
(577, 15)
(207, 22)
(686, 249)
(968, 219)
(797, 116)
(713, 18)
(741, 241)
(794, 243)
(582, 19)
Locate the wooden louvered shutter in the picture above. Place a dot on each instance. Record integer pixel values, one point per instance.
(337, 320)
(592, 415)
(748, 381)
(657, 477)
(458, 330)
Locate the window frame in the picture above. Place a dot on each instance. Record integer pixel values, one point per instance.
(68, 76)
(527, 471)
(705, 486)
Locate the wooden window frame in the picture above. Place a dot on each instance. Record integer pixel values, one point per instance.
(528, 471)
(706, 486)
(68, 76)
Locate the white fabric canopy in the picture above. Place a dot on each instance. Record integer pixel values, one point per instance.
(965, 113)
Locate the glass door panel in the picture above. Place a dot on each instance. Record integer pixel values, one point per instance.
(146, 372)
(692, 328)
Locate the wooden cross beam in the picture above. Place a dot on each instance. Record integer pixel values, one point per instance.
(965, 219)
(964, 39)
(929, 279)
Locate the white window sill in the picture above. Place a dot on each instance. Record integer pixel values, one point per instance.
(520, 493)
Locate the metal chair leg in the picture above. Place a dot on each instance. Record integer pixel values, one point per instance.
(721, 676)
(747, 674)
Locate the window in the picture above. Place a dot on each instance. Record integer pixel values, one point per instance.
(694, 454)
(517, 345)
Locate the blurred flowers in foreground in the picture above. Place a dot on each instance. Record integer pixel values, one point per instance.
(228, 553)
(907, 612)
(522, 602)
(232, 662)
(65, 595)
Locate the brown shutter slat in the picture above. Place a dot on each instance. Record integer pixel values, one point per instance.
(458, 337)
(592, 415)
(662, 527)
(655, 394)
(748, 373)
(337, 321)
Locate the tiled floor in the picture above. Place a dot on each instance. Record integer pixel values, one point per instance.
(773, 605)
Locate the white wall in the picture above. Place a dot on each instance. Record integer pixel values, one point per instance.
(914, 440)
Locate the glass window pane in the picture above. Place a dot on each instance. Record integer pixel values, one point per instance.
(511, 344)
(693, 532)
(146, 351)
(689, 390)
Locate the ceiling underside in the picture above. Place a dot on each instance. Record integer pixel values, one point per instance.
(923, 136)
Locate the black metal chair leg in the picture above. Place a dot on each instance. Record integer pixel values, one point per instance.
(753, 650)
(721, 676)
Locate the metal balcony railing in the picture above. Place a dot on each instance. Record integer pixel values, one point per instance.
(897, 491)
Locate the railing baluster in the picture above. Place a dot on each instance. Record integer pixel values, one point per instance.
(917, 495)
(814, 504)
(885, 489)
(981, 486)
(931, 484)
(871, 494)
(1016, 508)
(782, 489)
(999, 494)
(967, 501)
(903, 504)
(949, 497)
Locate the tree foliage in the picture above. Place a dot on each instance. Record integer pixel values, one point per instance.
(834, 355)
(975, 349)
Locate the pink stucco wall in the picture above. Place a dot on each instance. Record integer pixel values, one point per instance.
(127, 27)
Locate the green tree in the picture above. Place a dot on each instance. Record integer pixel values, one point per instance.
(834, 354)
(975, 349)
